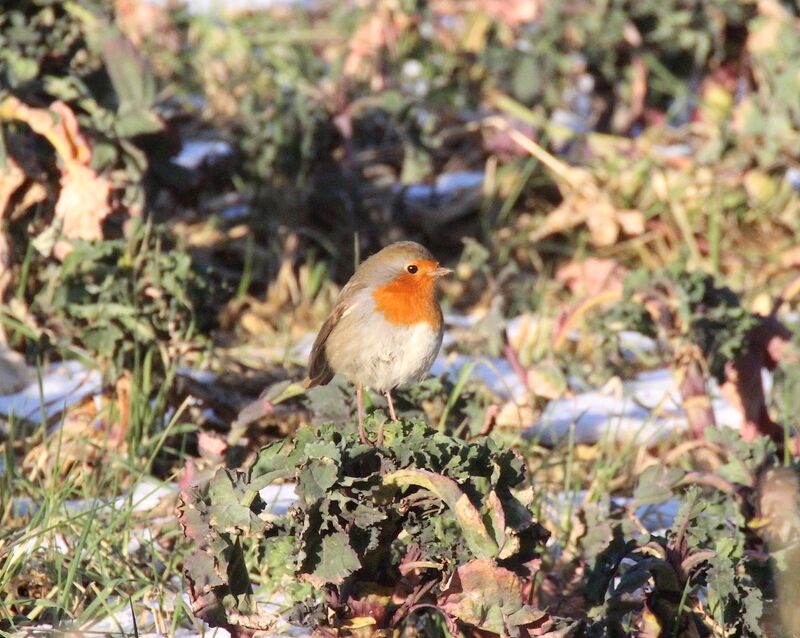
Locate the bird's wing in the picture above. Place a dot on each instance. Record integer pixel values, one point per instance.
(319, 370)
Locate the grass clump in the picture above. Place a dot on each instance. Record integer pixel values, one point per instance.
(119, 300)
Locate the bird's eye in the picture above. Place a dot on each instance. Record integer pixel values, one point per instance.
(412, 269)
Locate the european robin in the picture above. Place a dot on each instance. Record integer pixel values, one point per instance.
(386, 327)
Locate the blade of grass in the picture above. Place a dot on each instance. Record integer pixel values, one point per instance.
(75, 561)
(463, 377)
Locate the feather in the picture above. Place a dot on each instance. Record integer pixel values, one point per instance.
(319, 369)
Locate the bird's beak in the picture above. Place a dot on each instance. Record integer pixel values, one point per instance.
(440, 271)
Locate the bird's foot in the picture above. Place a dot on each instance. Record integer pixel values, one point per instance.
(362, 434)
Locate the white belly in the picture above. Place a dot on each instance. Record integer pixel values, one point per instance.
(379, 355)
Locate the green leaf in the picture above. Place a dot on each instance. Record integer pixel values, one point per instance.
(495, 519)
(367, 510)
(753, 610)
(271, 464)
(133, 82)
(201, 568)
(103, 339)
(721, 579)
(133, 121)
(322, 450)
(316, 478)
(655, 484)
(336, 560)
(526, 78)
(227, 512)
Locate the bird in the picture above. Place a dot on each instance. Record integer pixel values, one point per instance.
(386, 326)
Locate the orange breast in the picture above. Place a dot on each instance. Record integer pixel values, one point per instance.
(408, 300)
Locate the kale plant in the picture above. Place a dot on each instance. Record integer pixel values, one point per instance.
(686, 308)
(709, 571)
(427, 525)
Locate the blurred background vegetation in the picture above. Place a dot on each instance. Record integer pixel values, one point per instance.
(183, 192)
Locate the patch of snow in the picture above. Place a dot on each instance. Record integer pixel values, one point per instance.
(146, 495)
(64, 384)
(596, 416)
(793, 177)
(195, 152)
(278, 497)
(497, 374)
(237, 211)
(632, 343)
(206, 377)
(459, 180)
(571, 121)
(446, 186)
(656, 518)
(674, 150)
(200, 7)
(647, 409)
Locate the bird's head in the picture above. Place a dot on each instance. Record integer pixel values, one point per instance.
(403, 277)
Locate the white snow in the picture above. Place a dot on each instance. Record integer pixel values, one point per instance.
(195, 152)
(63, 384)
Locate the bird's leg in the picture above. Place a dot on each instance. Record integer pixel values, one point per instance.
(360, 403)
(388, 395)
(391, 406)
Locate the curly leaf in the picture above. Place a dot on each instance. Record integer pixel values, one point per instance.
(469, 519)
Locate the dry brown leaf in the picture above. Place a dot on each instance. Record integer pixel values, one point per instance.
(570, 318)
(140, 21)
(779, 505)
(631, 221)
(547, 381)
(516, 415)
(511, 13)
(83, 202)
(591, 276)
(600, 219)
(584, 201)
(764, 35)
(381, 30)
(35, 193)
(11, 178)
(82, 206)
(84, 440)
(211, 445)
(61, 131)
(791, 258)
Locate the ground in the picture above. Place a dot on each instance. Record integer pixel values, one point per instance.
(182, 195)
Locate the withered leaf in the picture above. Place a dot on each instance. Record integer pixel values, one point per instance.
(490, 598)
